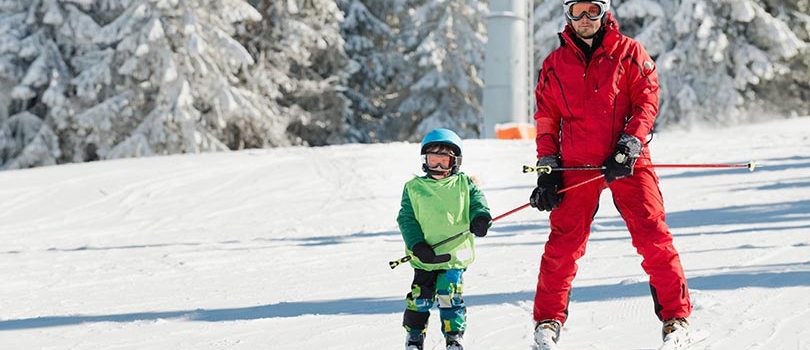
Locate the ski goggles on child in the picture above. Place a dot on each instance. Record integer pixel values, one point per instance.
(435, 160)
(575, 11)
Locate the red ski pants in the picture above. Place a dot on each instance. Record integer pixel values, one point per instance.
(639, 201)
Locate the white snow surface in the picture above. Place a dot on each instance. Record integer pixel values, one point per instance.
(288, 248)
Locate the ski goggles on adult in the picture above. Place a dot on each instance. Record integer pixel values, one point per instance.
(435, 160)
(578, 10)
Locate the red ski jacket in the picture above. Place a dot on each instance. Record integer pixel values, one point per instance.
(582, 108)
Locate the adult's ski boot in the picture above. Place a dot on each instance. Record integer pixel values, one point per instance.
(546, 334)
(676, 334)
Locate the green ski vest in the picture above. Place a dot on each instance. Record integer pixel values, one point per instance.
(441, 209)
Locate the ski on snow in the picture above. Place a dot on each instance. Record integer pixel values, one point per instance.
(693, 339)
(686, 342)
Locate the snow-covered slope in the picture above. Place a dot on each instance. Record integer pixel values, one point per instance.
(288, 248)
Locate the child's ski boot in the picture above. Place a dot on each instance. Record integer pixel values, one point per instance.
(414, 341)
(453, 341)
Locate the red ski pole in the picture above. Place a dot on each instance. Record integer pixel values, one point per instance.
(750, 165)
(394, 263)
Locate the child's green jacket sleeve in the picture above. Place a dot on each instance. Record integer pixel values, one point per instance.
(411, 231)
(478, 203)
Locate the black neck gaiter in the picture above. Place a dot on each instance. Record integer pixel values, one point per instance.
(588, 50)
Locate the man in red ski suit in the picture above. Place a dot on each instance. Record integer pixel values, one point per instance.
(597, 99)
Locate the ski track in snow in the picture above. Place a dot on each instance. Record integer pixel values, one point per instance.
(288, 249)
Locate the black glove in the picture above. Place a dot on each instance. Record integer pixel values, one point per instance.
(621, 163)
(479, 225)
(425, 253)
(545, 196)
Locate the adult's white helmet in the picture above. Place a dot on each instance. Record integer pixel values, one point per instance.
(604, 5)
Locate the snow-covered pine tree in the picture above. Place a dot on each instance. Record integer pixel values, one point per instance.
(177, 61)
(548, 20)
(369, 45)
(444, 41)
(30, 64)
(121, 78)
(405, 32)
(725, 62)
(303, 68)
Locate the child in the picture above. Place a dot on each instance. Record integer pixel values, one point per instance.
(435, 207)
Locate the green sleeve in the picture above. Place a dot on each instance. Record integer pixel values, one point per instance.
(408, 226)
(478, 203)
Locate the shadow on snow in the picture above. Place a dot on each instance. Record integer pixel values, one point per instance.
(375, 306)
(732, 215)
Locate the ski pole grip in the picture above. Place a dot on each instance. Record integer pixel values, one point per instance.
(542, 169)
(394, 263)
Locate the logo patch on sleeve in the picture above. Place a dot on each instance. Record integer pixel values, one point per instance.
(648, 67)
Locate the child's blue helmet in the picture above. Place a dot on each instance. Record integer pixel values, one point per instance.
(444, 137)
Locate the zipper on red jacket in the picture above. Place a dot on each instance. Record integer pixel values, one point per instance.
(588, 64)
(567, 41)
(581, 57)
